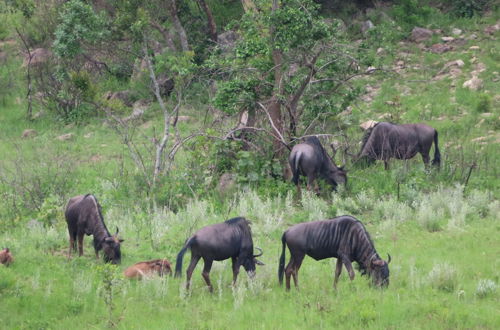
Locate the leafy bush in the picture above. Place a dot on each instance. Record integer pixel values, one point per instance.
(469, 8)
(411, 13)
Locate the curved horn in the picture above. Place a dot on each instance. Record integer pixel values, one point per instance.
(258, 255)
(388, 260)
(117, 230)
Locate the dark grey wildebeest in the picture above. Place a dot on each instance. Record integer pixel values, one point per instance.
(84, 217)
(230, 239)
(344, 238)
(311, 160)
(386, 140)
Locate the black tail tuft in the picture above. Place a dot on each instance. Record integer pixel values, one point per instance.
(178, 261)
(437, 155)
(281, 267)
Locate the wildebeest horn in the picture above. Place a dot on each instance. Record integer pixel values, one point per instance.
(258, 255)
(388, 260)
(117, 230)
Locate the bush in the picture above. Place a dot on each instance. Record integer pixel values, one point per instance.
(443, 277)
(485, 288)
(469, 8)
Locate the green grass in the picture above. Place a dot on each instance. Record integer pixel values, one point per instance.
(48, 290)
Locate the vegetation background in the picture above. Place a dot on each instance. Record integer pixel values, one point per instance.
(178, 114)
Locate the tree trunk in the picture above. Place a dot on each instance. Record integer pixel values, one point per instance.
(212, 28)
(248, 5)
(172, 9)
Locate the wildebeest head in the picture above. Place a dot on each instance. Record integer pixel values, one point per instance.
(162, 267)
(249, 263)
(336, 175)
(380, 272)
(6, 257)
(111, 248)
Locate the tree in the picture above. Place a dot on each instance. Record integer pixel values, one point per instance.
(286, 57)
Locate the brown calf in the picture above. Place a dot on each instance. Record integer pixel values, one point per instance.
(6, 257)
(148, 268)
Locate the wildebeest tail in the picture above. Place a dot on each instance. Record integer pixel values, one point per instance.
(294, 164)
(178, 261)
(437, 155)
(281, 267)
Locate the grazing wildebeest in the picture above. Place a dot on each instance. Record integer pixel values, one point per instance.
(148, 268)
(344, 238)
(386, 140)
(230, 239)
(6, 257)
(311, 160)
(84, 216)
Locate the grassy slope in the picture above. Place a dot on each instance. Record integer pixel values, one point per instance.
(45, 290)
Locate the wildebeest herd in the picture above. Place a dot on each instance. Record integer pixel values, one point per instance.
(344, 238)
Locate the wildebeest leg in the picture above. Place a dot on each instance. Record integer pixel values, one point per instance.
(310, 182)
(80, 244)
(288, 271)
(189, 271)
(348, 266)
(338, 270)
(236, 269)
(72, 242)
(295, 273)
(386, 165)
(426, 159)
(206, 273)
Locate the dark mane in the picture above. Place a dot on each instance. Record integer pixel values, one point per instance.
(318, 147)
(236, 221)
(99, 211)
(360, 265)
(366, 136)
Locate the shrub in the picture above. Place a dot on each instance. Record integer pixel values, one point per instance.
(484, 103)
(485, 288)
(443, 277)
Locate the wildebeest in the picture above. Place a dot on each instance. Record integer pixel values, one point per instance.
(344, 238)
(386, 140)
(311, 160)
(148, 268)
(229, 239)
(6, 257)
(84, 216)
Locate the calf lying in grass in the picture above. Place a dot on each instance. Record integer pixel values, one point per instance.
(148, 268)
(6, 257)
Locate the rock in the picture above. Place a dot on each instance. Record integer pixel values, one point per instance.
(486, 114)
(473, 84)
(473, 36)
(420, 34)
(88, 135)
(474, 48)
(368, 124)
(370, 69)
(380, 51)
(367, 25)
(28, 133)
(447, 39)
(456, 31)
(38, 56)
(492, 29)
(458, 63)
(440, 48)
(479, 139)
(66, 137)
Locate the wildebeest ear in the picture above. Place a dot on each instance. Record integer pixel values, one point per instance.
(121, 240)
(258, 262)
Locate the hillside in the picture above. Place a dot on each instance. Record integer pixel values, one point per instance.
(223, 158)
